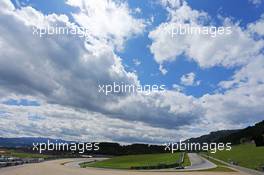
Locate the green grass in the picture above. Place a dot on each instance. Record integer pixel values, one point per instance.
(19, 154)
(186, 161)
(214, 161)
(220, 166)
(126, 162)
(246, 155)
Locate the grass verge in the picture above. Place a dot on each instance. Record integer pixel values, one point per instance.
(246, 155)
(126, 162)
(220, 166)
(186, 160)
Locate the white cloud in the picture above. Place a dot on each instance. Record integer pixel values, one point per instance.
(177, 87)
(71, 69)
(163, 70)
(171, 3)
(152, 19)
(75, 124)
(109, 20)
(6, 5)
(242, 99)
(189, 79)
(66, 70)
(257, 27)
(223, 50)
(249, 76)
(136, 62)
(240, 48)
(256, 2)
(137, 10)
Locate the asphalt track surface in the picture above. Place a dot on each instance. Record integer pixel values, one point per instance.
(70, 167)
(199, 163)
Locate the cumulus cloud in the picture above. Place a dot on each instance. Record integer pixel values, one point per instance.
(225, 50)
(239, 49)
(61, 68)
(66, 70)
(56, 121)
(242, 99)
(189, 79)
(111, 21)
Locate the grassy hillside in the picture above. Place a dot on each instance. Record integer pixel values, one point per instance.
(250, 133)
(125, 162)
(212, 136)
(234, 136)
(246, 155)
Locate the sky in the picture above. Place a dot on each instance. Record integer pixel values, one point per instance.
(49, 84)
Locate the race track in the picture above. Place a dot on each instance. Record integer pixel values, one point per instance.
(68, 167)
(199, 163)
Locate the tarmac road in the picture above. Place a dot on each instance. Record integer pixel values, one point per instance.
(199, 163)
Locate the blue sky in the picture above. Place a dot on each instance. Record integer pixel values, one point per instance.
(55, 88)
(21, 102)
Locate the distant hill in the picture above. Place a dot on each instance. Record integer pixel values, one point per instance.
(25, 144)
(213, 136)
(25, 141)
(248, 134)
